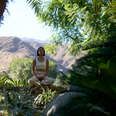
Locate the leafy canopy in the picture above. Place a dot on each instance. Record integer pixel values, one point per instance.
(81, 22)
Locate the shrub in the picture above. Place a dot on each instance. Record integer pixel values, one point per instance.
(21, 69)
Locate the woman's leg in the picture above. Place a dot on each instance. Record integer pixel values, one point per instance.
(47, 81)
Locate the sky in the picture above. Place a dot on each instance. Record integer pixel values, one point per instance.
(22, 22)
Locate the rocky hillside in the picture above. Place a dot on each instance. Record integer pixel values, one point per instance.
(12, 47)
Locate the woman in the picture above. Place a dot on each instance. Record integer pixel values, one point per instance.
(40, 68)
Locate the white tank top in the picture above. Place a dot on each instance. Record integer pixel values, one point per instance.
(41, 65)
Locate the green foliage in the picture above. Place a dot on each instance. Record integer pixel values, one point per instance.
(56, 39)
(62, 79)
(43, 99)
(21, 70)
(3, 78)
(95, 74)
(18, 103)
(52, 69)
(112, 11)
(50, 48)
(7, 81)
(79, 22)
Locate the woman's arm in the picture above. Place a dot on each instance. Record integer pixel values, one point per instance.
(33, 68)
(47, 67)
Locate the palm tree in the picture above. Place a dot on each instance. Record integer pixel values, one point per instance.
(3, 5)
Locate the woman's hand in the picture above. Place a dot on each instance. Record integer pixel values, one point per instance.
(46, 74)
(36, 76)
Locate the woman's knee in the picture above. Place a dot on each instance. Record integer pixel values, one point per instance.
(30, 81)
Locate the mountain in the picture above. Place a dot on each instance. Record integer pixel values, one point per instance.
(64, 59)
(34, 40)
(15, 45)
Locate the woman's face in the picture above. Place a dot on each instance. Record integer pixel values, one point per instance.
(41, 52)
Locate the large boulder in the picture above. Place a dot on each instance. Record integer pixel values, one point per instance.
(60, 101)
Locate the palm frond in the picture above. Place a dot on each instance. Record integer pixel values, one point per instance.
(112, 11)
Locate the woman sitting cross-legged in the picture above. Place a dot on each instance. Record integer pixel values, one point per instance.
(40, 68)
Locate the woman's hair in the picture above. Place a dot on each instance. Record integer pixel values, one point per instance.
(39, 49)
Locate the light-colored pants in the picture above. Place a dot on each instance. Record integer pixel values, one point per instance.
(34, 81)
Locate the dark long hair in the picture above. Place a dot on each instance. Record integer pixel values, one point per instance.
(39, 49)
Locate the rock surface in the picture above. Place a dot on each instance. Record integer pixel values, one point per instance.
(60, 101)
